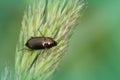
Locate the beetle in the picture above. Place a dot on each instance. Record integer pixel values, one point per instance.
(37, 43)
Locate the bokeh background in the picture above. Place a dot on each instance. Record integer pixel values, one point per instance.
(94, 49)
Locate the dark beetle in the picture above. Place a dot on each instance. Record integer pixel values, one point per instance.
(37, 43)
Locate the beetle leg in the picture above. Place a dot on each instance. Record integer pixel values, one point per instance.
(34, 61)
(24, 49)
(40, 33)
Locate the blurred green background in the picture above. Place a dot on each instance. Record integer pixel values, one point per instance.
(94, 49)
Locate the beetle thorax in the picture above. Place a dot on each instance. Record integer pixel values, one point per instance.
(46, 43)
